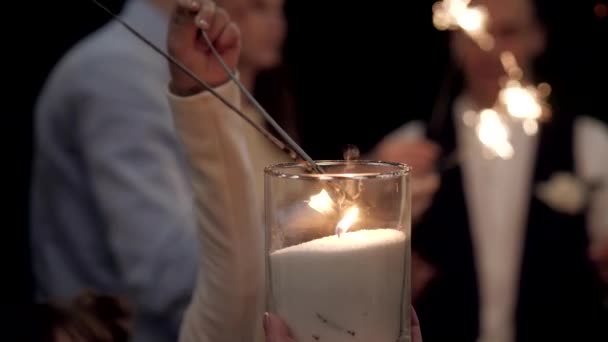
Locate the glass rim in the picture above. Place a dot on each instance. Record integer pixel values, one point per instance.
(282, 170)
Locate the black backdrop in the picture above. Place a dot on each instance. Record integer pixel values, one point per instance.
(396, 59)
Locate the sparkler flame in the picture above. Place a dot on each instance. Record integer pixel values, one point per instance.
(525, 103)
(322, 202)
(509, 64)
(521, 102)
(518, 102)
(531, 127)
(457, 14)
(351, 216)
(494, 134)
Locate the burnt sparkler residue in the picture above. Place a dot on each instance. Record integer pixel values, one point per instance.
(335, 326)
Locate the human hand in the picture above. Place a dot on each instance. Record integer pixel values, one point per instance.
(423, 273)
(424, 187)
(185, 43)
(422, 156)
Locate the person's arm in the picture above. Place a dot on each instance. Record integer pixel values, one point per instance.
(591, 146)
(140, 188)
(228, 302)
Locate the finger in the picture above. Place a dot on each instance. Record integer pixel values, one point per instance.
(189, 5)
(276, 330)
(415, 320)
(184, 13)
(424, 157)
(428, 148)
(182, 29)
(218, 24)
(425, 185)
(420, 167)
(419, 208)
(419, 164)
(422, 274)
(416, 333)
(204, 18)
(421, 149)
(183, 24)
(423, 193)
(421, 156)
(229, 39)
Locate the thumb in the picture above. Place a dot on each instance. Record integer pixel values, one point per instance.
(187, 18)
(416, 333)
(276, 330)
(425, 185)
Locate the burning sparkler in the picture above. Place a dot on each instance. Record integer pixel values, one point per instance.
(526, 103)
(516, 101)
(494, 134)
(457, 14)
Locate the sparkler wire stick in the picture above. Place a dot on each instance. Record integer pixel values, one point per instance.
(259, 107)
(289, 146)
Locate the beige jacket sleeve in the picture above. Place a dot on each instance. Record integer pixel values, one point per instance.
(228, 302)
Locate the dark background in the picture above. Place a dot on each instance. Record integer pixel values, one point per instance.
(369, 65)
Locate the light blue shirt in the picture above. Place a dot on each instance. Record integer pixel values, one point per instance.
(112, 207)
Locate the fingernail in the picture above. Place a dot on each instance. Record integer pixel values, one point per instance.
(202, 23)
(266, 321)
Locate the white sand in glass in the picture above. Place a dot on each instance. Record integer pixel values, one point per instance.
(346, 288)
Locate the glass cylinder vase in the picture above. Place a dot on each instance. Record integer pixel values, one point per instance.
(338, 250)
